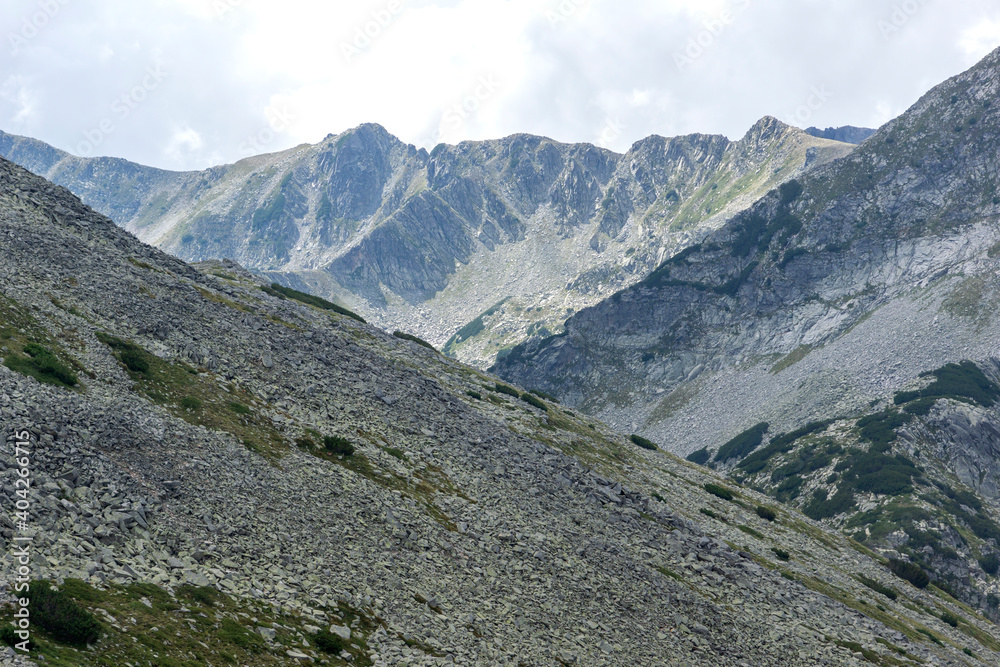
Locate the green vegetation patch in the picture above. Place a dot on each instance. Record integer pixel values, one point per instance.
(887, 591)
(31, 351)
(42, 364)
(720, 491)
(473, 328)
(144, 624)
(413, 339)
(743, 444)
(780, 444)
(642, 442)
(963, 381)
(282, 292)
(338, 445)
(910, 572)
(533, 400)
(699, 457)
(505, 389)
(61, 616)
(880, 428)
(196, 397)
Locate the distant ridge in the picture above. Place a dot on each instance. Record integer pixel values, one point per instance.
(847, 134)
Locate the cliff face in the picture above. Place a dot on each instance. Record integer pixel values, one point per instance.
(429, 242)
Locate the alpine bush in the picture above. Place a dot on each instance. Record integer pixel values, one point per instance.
(60, 615)
(743, 444)
(912, 573)
(338, 445)
(640, 441)
(700, 456)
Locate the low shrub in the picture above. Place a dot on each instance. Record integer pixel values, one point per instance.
(961, 381)
(640, 441)
(474, 394)
(531, 399)
(950, 618)
(413, 339)
(766, 513)
(134, 360)
(281, 292)
(880, 428)
(781, 554)
(910, 572)
(548, 397)
(510, 391)
(710, 513)
(239, 408)
(720, 491)
(822, 507)
(877, 587)
(990, 564)
(396, 452)
(61, 616)
(338, 445)
(191, 403)
(328, 642)
(743, 444)
(699, 457)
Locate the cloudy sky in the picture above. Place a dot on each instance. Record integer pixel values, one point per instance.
(186, 84)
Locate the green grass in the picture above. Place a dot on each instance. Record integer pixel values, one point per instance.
(42, 364)
(193, 627)
(197, 398)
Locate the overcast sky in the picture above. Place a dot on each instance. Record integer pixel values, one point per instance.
(186, 84)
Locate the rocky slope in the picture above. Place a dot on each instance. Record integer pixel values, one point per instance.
(222, 475)
(916, 477)
(478, 246)
(830, 292)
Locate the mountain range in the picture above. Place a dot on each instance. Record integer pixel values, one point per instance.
(227, 473)
(232, 465)
(474, 247)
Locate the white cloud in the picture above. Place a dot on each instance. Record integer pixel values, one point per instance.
(184, 142)
(980, 39)
(601, 70)
(20, 104)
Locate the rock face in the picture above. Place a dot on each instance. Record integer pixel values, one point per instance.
(523, 227)
(828, 293)
(848, 133)
(193, 430)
